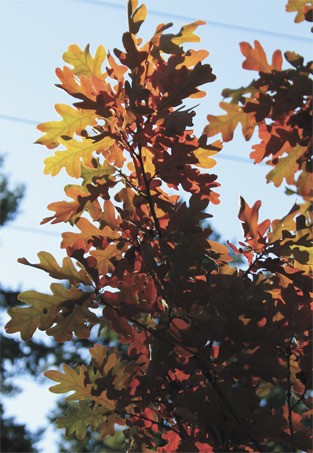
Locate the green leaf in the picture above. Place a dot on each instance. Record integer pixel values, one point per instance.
(66, 272)
(286, 167)
(80, 417)
(42, 309)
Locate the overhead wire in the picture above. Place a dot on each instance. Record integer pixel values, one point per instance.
(15, 119)
(208, 21)
(32, 230)
(178, 17)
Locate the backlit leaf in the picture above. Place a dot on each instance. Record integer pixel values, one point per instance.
(67, 272)
(73, 121)
(83, 62)
(136, 15)
(254, 232)
(256, 58)
(76, 152)
(80, 417)
(70, 380)
(104, 257)
(42, 309)
(74, 322)
(286, 167)
(300, 7)
(204, 155)
(186, 33)
(226, 124)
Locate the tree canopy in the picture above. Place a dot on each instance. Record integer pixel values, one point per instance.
(214, 357)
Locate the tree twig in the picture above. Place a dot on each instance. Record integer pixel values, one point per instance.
(289, 394)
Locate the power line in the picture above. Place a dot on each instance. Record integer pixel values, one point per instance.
(208, 22)
(26, 229)
(15, 119)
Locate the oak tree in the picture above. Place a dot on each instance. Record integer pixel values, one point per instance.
(217, 358)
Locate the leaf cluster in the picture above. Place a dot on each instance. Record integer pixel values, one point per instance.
(217, 358)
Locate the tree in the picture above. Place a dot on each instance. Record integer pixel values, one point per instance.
(15, 437)
(217, 358)
(9, 198)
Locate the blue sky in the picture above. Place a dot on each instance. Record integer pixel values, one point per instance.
(35, 34)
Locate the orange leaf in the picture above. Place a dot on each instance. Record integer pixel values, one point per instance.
(253, 231)
(256, 58)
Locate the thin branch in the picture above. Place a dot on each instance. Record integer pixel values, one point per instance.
(203, 363)
(141, 417)
(127, 181)
(289, 394)
(148, 193)
(254, 262)
(301, 398)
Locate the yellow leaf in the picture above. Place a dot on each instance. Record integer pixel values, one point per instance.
(186, 33)
(79, 418)
(66, 272)
(136, 16)
(73, 121)
(88, 232)
(95, 173)
(204, 159)
(76, 152)
(287, 223)
(286, 167)
(83, 62)
(304, 184)
(298, 6)
(42, 309)
(140, 14)
(226, 124)
(99, 354)
(69, 381)
(148, 164)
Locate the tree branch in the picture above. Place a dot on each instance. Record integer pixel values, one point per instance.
(289, 394)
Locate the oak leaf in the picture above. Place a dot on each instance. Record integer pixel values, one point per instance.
(256, 58)
(83, 62)
(42, 309)
(226, 124)
(103, 257)
(73, 121)
(286, 167)
(67, 272)
(254, 232)
(300, 7)
(70, 380)
(77, 151)
(186, 33)
(74, 322)
(203, 155)
(136, 16)
(80, 417)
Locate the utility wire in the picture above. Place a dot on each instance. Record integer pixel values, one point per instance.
(208, 22)
(242, 160)
(25, 229)
(17, 119)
